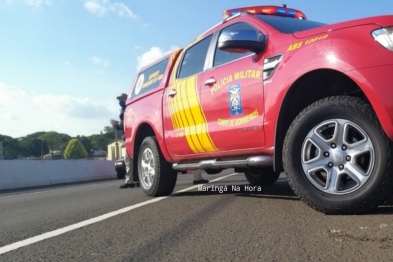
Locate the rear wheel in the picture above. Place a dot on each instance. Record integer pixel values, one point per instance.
(156, 176)
(337, 157)
(261, 176)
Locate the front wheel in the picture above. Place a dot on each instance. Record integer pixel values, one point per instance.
(337, 157)
(156, 176)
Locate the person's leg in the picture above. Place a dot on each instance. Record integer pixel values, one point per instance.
(198, 177)
(129, 182)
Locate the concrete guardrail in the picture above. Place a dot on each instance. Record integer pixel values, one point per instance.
(17, 174)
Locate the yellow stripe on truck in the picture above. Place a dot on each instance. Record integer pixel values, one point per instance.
(194, 108)
(181, 101)
(171, 108)
(172, 113)
(176, 110)
(186, 87)
(188, 115)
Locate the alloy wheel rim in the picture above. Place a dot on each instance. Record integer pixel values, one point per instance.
(148, 168)
(338, 157)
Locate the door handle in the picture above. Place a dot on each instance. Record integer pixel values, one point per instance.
(210, 81)
(172, 93)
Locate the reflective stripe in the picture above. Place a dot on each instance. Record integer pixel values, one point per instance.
(187, 114)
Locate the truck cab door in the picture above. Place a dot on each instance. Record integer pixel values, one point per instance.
(184, 122)
(232, 94)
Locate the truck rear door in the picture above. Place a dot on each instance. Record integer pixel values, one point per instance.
(184, 122)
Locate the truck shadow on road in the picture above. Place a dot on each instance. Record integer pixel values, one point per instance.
(280, 190)
(384, 209)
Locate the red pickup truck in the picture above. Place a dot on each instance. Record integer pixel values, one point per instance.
(267, 91)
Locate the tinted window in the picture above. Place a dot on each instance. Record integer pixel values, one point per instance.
(149, 78)
(194, 58)
(223, 57)
(289, 25)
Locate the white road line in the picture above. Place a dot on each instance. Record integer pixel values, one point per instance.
(59, 189)
(63, 230)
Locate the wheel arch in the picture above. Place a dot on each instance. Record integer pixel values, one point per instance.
(145, 130)
(329, 82)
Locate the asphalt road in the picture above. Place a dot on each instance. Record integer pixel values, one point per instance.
(272, 225)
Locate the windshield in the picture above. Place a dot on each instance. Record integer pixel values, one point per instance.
(289, 25)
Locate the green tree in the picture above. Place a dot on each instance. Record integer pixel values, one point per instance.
(30, 145)
(108, 129)
(54, 140)
(10, 147)
(101, 141)
(110, 134)
(64, 138)
(98, 142)
(86, 142)
(75, 150)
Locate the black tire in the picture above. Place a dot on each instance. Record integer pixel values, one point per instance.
(120, 175)
(261, 176)
(380, 182)
(165, 177)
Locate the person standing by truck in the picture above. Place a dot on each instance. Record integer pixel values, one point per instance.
(129, 181)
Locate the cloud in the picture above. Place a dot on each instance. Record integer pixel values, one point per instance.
(35, 3)
(69, 106)
(98, 61)
(122, 10)
(101, 7)
(152, 55)
(95, 8)
(24, 113)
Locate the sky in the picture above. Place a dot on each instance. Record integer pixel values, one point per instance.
(63, 62)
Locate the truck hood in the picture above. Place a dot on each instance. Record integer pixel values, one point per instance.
(382, 21)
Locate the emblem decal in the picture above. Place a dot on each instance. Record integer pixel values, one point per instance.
(139, 84)
(235, 100)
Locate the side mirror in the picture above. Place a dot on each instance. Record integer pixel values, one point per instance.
(241, 41)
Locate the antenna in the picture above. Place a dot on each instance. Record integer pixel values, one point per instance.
(284, 5)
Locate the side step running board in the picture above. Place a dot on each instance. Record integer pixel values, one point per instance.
(255, 161)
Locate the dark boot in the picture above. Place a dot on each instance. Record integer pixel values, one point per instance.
(135, 184)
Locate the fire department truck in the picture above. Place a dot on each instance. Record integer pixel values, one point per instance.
(267, 91)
